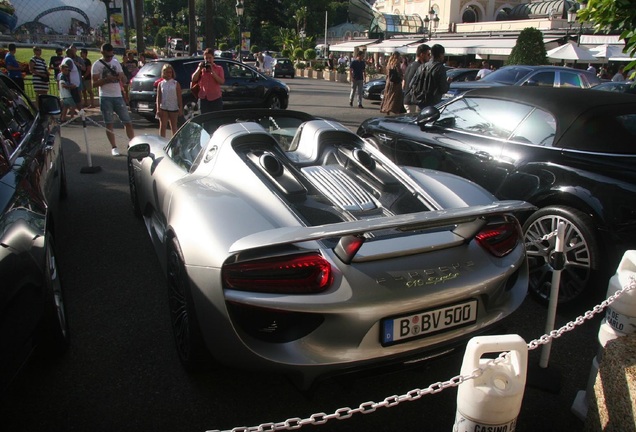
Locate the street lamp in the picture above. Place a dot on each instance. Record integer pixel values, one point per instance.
(239, 13)
(435, 23)
(571, 20)
(197, 20)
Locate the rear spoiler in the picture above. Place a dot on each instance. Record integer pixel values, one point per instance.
(465, 222)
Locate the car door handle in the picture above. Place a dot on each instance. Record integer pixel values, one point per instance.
(50, 143)
(485, 156)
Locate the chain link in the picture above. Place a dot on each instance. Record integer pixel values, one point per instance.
(415, 394)
(546, 237)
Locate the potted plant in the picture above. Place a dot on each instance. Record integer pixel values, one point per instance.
(319, 68)
(342, 73)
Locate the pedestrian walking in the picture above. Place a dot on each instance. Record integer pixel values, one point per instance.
(393, 101)
(209, 76)
(169, 100)
(484, 71)
(268, 63)
(109, 76)
(13, 67)
(39, 72)
(422, 55)
(357, 75)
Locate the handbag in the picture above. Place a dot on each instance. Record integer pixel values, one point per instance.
(194, 88)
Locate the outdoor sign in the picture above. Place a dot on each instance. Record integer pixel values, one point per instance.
(116, 28)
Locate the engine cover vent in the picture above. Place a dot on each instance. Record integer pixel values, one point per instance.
(339, 188)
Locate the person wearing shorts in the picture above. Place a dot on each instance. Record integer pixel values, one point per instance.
(108, 76)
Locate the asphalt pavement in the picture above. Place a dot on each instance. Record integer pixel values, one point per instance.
(122, 373)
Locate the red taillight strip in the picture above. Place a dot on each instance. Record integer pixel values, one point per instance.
(296, 274)
(499, 239)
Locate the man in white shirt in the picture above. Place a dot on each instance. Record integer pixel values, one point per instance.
(75, 75)
(268, 63)
(109, 76)
(484, 71)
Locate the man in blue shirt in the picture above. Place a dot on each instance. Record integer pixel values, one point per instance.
(13, 67)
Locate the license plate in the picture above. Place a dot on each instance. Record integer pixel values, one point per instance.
(420, 324)
(143, 105)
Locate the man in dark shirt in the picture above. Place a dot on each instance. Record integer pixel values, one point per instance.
(56, 61)
(357, 74)
(435, 81)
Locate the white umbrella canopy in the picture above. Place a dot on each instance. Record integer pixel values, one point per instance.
(571, 52)
(608, 52)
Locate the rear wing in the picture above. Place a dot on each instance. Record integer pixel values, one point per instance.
(462, 223)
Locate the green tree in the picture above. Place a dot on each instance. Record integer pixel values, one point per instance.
(529, 49)
(613, 15)
(165, 31)
(298, 54)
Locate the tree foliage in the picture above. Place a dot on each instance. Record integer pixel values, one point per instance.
(529, 49)
(613, 15)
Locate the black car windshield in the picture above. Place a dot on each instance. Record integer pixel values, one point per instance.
(508, 75)
(151, 69)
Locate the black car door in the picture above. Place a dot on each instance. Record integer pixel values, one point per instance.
(468, 140)
(243, 87)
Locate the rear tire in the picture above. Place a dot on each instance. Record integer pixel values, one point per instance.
(193, 354)
(582, 253)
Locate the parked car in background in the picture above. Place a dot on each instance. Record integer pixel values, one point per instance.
(282, 231)
(565, 150)
(617, 86)
(32, 182)
(374, 88)
(521, 75)
(283, 67)
(244, 87)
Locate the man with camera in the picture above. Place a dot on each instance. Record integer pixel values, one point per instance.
(109, 77)
(209, 76)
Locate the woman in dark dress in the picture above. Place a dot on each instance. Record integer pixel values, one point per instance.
(393, 102)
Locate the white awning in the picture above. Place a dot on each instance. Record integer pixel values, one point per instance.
(350, 46)
(465, 46)
(600, 39)
(391, 45)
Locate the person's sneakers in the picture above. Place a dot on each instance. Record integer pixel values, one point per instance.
(115, 152)
(360, 106)
(351, 103)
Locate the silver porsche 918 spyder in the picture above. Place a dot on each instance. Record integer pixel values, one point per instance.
(290, 244)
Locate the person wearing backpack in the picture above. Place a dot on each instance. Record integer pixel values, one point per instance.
(432, 83)
(422, 55)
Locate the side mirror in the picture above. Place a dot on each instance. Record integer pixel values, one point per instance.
(139, 151)
(49, 105)
(428, 114)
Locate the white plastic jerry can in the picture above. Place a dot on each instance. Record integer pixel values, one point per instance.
(492, 401)
(620, 317)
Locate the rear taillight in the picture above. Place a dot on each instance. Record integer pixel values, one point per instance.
(297, 274)
(499, 239)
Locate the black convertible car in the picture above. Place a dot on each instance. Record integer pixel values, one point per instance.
(567, 151)
(32, 181)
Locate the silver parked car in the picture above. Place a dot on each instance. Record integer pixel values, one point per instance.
(289, 244)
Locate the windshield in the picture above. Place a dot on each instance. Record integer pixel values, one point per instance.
(507, 75)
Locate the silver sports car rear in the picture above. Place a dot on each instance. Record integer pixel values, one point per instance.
(290, 244)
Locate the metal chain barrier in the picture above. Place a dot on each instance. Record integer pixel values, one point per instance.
(79, 116)
(391, 401)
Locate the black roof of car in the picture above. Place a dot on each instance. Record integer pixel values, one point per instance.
(567, 103)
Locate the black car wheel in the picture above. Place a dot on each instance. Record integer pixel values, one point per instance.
(185, 326)
(54, 334)
(190, 110)
(273, 102)
(581, 250)
(132, 185)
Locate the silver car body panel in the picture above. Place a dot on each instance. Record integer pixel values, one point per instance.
(225, 207)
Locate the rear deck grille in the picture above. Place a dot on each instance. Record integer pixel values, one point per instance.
(340, 188)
